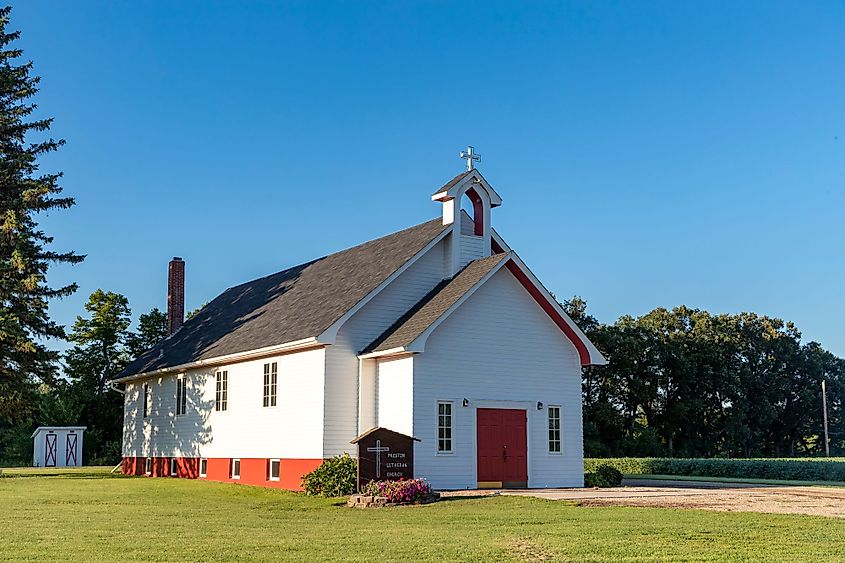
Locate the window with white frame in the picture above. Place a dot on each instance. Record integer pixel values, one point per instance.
(148, 466)
(275, 469)
(181, 395)
(146, 400)
(554, 429)
(174, 467)
(444, 426)
(236, 469)
(221, 398)
(203, 467)
(271, 380)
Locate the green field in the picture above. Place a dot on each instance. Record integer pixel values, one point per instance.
(89, 515)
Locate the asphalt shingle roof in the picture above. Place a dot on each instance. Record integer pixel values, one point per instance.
(294, 304)
(434, 305)
(452, 182)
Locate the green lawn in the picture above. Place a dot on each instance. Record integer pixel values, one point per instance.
(86, 515)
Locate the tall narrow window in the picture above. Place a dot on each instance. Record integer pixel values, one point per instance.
(554, 430)
(174, 467)
(146, 400)
(444, 427)
(236, 469)
(203, 467)
(221, 399)
(181, 399)
(148, 466)
(271, 380)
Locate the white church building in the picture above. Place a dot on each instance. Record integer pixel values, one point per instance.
(439, 331)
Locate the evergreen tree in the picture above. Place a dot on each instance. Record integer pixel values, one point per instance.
(24, 249)
(99, 354)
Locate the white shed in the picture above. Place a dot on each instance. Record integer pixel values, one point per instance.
(57, 446)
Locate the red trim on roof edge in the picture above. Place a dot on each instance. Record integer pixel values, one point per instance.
(495, 246)
(583, 353)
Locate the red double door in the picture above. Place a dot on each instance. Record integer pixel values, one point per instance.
(502, 448)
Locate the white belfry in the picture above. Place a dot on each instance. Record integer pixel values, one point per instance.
(470, 156)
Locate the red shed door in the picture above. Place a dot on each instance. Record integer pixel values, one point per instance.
(502, 448)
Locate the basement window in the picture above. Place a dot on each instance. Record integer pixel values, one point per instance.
(275, 467)
(236, 469)
(174, 467)
(148, 466)
(203, 467)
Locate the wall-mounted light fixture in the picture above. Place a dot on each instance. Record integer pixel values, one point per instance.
(466, 402)
(539, 406)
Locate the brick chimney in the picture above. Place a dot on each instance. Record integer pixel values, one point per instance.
(175, 294)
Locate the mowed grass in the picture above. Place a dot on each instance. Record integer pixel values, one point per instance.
(86, 515)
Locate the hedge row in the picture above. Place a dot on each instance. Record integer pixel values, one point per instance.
(791, 469)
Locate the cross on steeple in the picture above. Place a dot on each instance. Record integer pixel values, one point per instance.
(470, 156)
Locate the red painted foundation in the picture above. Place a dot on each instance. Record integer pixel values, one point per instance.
(254, 471)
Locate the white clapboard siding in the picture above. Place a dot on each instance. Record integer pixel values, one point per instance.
(291, 429)
(395, 379)
(498, 350)
(341, 416)
(472, 248)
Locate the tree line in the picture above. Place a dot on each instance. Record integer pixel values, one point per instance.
(684, 382)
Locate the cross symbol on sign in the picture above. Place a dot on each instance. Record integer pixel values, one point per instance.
(378, 449)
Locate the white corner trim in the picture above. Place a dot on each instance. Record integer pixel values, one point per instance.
(293, 346)
(329, 336)
(418, 345)
(596, 358)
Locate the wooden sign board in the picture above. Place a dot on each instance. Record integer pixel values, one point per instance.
(384, 455)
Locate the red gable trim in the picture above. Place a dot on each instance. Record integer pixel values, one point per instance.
(583, 353)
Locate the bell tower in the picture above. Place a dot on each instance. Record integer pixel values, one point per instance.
(470, 236)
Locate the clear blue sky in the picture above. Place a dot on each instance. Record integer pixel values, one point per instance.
(648, 154)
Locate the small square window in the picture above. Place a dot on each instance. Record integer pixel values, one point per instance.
(236, 469)
(174, 467)
(148, 466)
(203, 467)
(275, 467)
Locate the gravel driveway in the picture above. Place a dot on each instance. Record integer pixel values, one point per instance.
(730, 497)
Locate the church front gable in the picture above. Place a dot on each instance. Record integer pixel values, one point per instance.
(496, 360)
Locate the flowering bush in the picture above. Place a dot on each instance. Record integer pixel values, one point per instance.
(335, 477)
(404, 490)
